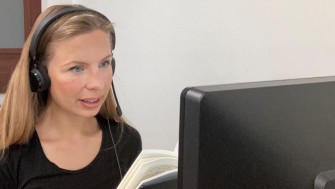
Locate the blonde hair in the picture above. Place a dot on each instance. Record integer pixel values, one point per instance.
(21, 108)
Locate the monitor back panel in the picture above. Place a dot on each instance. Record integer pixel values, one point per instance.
(257, 135)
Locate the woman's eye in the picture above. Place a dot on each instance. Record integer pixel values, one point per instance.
(105, 64)
(77, 69)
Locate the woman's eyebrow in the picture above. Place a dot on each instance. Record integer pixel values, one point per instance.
(108, 56)
(83, 62)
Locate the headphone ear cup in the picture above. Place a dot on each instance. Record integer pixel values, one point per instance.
(39, 79)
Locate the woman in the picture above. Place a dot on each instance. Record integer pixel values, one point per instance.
(59, 124)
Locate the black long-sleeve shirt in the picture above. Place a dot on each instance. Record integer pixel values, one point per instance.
(26, 166)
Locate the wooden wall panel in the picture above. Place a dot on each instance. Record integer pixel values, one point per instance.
(10, 57)
(8, 60)
(32, 8)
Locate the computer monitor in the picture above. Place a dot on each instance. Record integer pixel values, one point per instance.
(275, 134)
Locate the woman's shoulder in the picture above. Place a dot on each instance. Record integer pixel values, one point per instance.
(132, 137)
(121, 128)
(122, 132)
(10, 163)
(129, 130)
(13, 154)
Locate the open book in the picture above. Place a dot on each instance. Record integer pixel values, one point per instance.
(149, 167)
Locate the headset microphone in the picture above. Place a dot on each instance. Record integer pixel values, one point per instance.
(118, 109)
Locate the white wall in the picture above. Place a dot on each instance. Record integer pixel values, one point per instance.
(48, 3)
(1, 98)
(164, 46)
(11, 22)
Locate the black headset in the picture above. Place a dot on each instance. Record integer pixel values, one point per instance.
(38, 73)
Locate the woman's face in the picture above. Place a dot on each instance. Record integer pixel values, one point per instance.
(81, 74)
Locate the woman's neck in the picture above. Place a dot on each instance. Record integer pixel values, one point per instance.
(55, 124)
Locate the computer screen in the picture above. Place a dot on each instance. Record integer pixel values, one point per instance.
(274, 134)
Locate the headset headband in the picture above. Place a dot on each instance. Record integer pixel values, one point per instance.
(48, 20)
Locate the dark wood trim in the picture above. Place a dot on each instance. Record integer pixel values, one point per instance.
(8, 61)
(32, 8)
(10, 51)
(10, 56)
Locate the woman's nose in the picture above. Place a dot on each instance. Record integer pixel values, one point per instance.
(95, 80)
